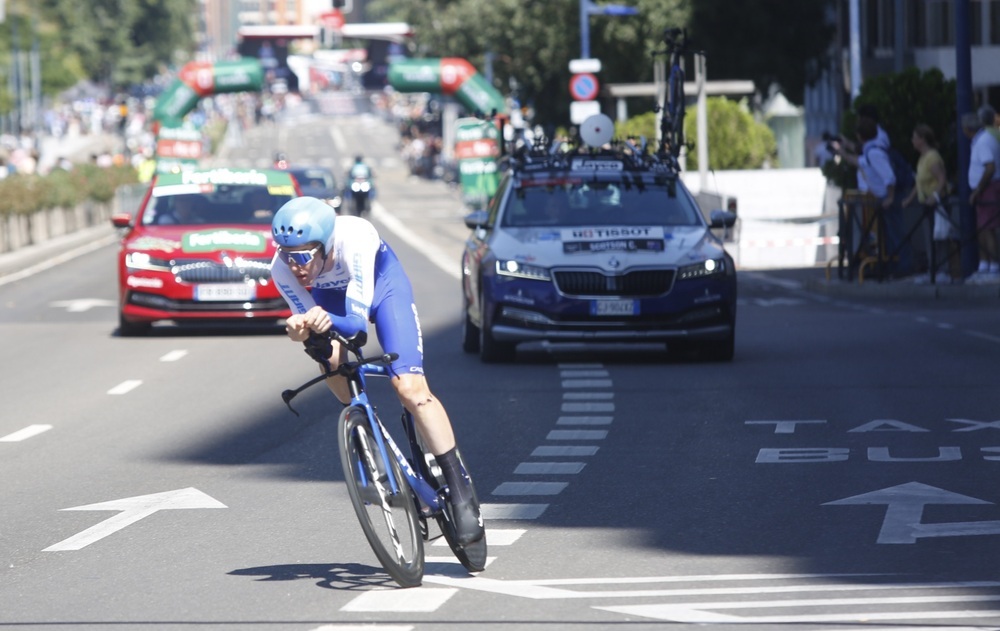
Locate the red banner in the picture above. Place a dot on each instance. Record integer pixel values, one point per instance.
(200, 75)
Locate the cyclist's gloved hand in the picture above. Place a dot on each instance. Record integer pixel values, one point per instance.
(318, 347)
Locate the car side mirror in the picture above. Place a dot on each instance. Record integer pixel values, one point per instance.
(722, 219)
(477, 219)
(121, 220)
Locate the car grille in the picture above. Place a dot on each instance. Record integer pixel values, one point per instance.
(233, 270)
(637, 283)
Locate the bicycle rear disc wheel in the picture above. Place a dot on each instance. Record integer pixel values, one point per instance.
(471, 556)
(389, 520)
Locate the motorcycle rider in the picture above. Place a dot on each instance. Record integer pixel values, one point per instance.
(359, 185)
(359, 169)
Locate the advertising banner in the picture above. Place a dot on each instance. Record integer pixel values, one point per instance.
(476, 150)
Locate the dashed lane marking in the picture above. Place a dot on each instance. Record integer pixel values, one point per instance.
(364, 627)
(588, 407)
(549, 468)
(588, 396)
(126, 386)
(512, 511)
(530, 488)
(584, 420)
(584, 373)
(424, 599)
(173, 356)
(577, 434)
(501, 537)
(564, 450)
(586, 383)
(26, 433)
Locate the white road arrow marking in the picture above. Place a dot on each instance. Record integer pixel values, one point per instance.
(132, 510)
(906, 503)
(82, 304)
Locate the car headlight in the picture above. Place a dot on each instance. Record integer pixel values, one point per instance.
(708, 267)
(142, 260)
(516, 269)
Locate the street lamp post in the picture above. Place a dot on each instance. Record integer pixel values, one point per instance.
(587, 9)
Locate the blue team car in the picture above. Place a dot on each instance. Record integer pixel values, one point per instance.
(585, 244)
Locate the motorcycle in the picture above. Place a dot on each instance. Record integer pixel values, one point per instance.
(360, 192)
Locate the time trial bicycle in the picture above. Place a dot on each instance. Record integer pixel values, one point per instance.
(393, 495)
(673, 108)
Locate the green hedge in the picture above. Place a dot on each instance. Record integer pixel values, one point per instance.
(28, 194)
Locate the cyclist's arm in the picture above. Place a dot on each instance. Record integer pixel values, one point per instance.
(306, 314)
(360, 256)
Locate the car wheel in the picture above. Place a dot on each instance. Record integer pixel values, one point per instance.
(490, 350)
(470, 332)
(132, 329)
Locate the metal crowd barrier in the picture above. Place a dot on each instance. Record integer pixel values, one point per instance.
(864, 251)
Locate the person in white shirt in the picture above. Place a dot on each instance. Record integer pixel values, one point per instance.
(984, 182)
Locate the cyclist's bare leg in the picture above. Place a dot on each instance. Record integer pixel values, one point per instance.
(429, 415)
(433, 424)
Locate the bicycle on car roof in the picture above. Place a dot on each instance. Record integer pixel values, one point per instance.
(672, 111)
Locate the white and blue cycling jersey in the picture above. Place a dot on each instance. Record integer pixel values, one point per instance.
(366, 283)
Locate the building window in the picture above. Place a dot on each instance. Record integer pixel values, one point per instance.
(917, 33)
(994, 21)
(976, 22)
(940, 23)
(879, 24)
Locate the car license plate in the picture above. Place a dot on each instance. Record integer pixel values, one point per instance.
(224, 291)
(614, 307)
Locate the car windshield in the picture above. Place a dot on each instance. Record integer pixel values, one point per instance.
(314, 179)
(227, 204)
(594, 203)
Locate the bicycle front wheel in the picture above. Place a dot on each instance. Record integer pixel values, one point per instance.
(389, 520)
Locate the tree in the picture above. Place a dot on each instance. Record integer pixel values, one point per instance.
(122, 42)
(904, 100)
(768, 41)
(735, 139)
(533, 42)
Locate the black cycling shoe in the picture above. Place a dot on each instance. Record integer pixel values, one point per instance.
(468, 521)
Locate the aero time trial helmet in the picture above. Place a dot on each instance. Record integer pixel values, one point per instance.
(304, 220)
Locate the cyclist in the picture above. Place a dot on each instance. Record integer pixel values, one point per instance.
(344, 278)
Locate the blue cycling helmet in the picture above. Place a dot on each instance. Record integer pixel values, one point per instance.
(304, 220)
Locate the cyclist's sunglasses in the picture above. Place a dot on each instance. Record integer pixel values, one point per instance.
(300, 258)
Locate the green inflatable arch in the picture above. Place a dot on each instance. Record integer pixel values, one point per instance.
(199, 79)
(451, 76)
(476, 139)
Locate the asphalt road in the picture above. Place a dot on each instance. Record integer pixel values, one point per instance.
(839, 472)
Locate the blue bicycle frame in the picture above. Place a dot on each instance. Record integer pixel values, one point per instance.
(429, 496)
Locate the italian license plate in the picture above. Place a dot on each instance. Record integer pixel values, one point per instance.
(614, 307)
(224, 291)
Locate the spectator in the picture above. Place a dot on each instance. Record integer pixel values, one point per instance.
(875, 177)
(931, 190)
(984, 180)
(866, 113)
(988, 117)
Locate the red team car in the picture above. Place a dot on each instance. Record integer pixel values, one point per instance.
(199, 249)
